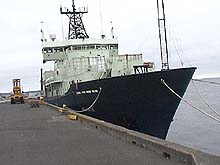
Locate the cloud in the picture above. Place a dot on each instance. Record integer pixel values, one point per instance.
(193, 23)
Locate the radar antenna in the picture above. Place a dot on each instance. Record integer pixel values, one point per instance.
(76, 26)
(162, 34)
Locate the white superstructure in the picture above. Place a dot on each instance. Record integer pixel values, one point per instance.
(84, 60)
(81, 58)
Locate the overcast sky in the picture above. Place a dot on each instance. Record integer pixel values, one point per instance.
(193, 31)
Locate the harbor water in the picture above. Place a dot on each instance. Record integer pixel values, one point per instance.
(192, 128)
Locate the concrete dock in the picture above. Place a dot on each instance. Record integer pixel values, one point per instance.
(45, 136)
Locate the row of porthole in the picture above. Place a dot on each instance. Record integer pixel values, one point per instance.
(87, 92)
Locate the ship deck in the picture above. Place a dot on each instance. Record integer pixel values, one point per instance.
(45, 136)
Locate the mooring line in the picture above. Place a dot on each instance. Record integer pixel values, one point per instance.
(201, 111)
(88, 109)
(210, 107)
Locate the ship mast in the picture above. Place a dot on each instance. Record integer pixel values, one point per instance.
(162, 35)
(76, 26)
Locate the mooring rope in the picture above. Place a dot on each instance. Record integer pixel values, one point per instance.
(210, 107)
(201, 111)
(88, 109)
(205, 81)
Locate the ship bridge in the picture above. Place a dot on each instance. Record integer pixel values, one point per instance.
(59, 50)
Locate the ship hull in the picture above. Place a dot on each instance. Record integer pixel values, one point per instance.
(139, 102)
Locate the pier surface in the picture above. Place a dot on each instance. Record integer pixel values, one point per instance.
(44, 136)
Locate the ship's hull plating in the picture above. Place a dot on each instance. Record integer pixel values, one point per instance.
(139, 102)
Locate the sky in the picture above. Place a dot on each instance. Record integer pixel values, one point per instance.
(192, 29)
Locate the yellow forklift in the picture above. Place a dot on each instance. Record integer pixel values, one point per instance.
(17, 95)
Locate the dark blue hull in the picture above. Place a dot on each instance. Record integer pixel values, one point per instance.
(139, 102)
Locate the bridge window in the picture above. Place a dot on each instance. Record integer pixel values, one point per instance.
(78, 48)
(68, 48)
(98, 47)
(91, 47)
(114, 46)
(102, 46)
(58, 49)
(74, 48)
(44, 50)
(47, 50)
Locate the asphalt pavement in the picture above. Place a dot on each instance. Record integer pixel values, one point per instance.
(42, 136)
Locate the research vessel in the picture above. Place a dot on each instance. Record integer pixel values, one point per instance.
(91, 78)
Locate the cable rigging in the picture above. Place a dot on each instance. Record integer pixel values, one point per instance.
(201, 111)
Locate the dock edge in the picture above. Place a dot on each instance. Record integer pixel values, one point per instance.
(164, 148)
